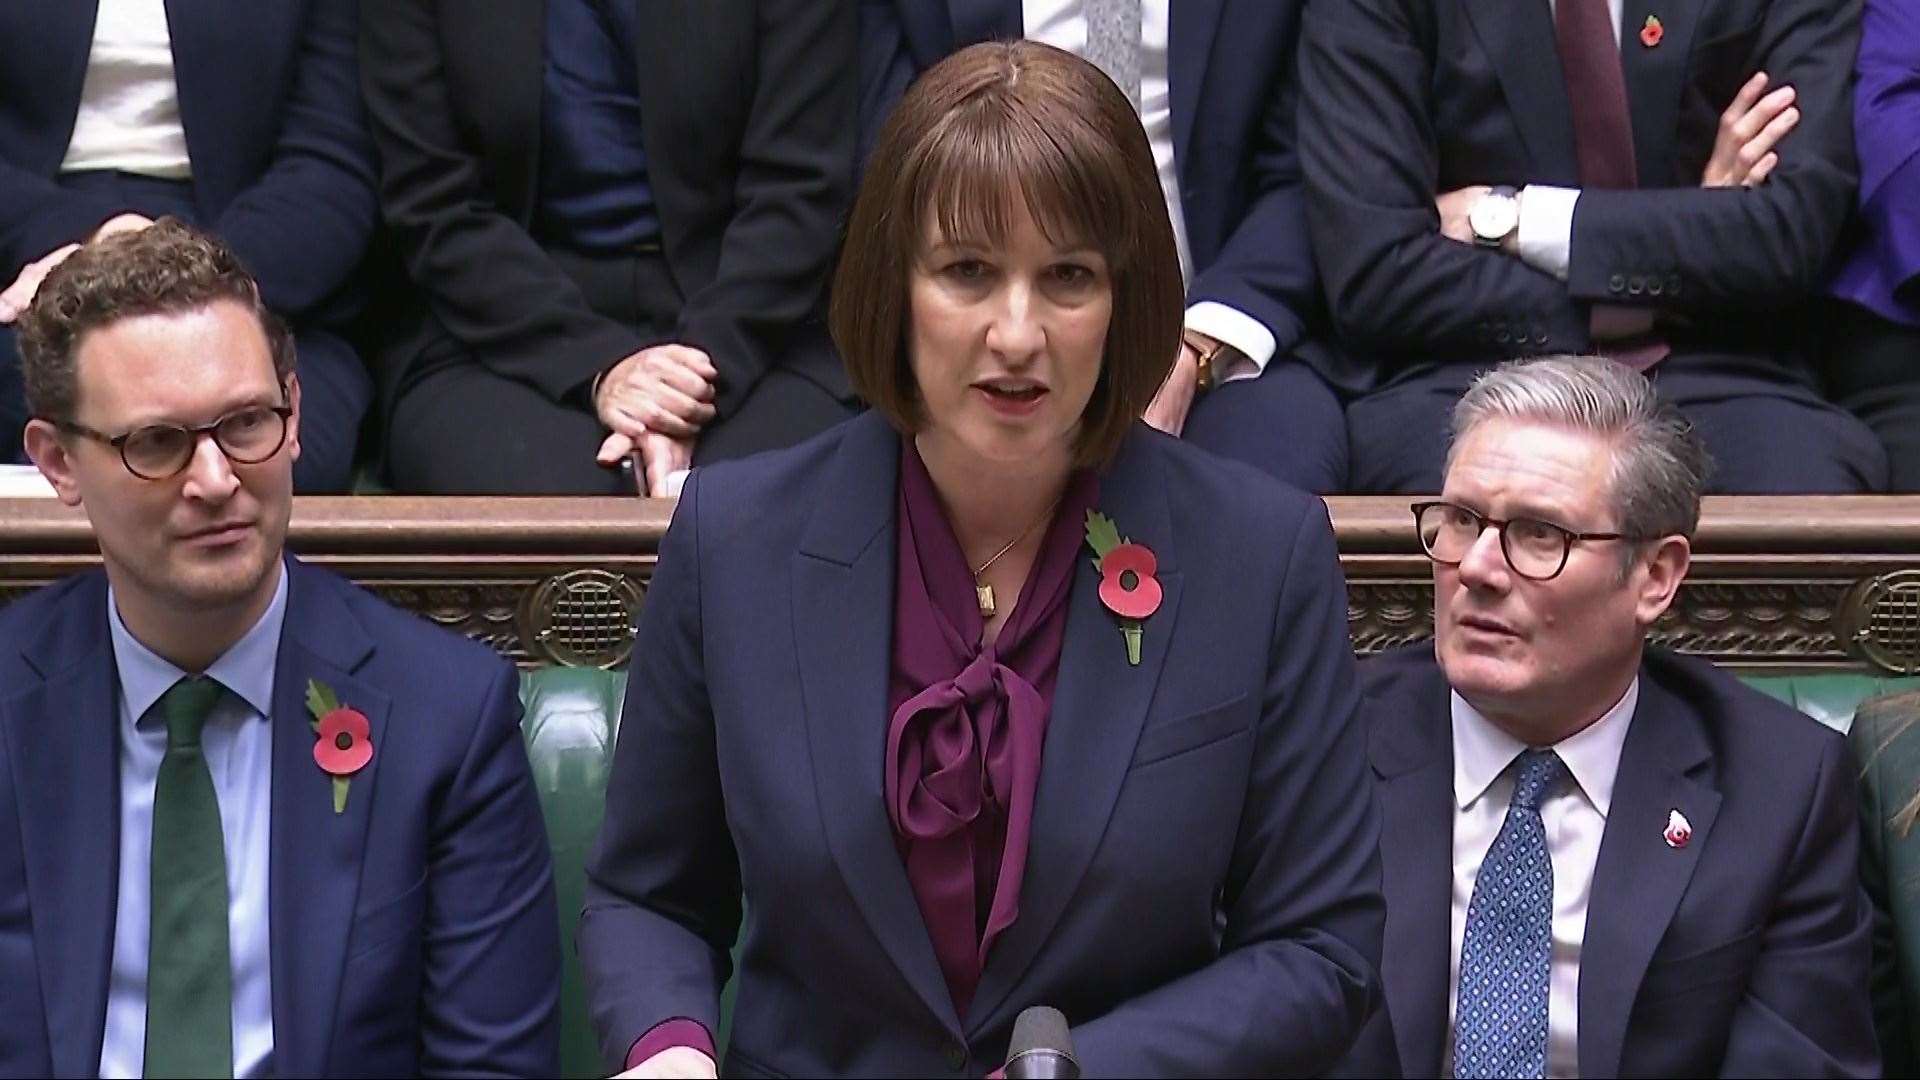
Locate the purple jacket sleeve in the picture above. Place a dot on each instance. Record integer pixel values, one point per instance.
(1883, 272)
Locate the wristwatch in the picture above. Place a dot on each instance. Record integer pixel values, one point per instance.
(1206, 354)
(1494, 216)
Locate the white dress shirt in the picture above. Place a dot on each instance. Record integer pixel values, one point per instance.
(1575, 817)
(1063, 24)
(1545, 237)
(129, 116)
(238, 742)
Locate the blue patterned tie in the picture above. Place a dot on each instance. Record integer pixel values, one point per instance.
(1500, 1024)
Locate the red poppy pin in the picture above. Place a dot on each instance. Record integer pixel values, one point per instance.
(1127, 584)
(1652, 32)
(1679, 830)
(343, 741)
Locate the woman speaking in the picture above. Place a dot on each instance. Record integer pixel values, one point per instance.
(992, 697)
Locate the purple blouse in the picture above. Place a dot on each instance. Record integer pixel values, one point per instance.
(968, 721)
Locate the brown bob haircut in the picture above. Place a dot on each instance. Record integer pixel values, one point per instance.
(990, 124)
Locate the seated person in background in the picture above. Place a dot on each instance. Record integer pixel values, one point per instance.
(1873, 334)
(1213, 84)
(253, 822)
(1600, 859)
(1888, 748)
(619, 219)
(856, 652)
(243, 119)
(1490, 179)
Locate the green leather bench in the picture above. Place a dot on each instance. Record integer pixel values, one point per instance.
(573, 714)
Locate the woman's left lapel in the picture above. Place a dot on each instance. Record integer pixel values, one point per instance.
(1099, 706)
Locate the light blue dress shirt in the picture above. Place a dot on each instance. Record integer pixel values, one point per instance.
(238, 740)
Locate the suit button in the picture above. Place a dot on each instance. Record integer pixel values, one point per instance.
(1636, 285)
(1617, 283)
(956, 1056)
(1501, 336)
(1655, 286)
(1539, 336)
(1673, 284)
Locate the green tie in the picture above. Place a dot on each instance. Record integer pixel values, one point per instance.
(189, 975)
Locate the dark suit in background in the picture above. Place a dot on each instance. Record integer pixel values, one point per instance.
(747, 109)
(1741, 953)
(282, 171)
(1234, 97)
(1201, 894)
(412, 934)
(1407, 99)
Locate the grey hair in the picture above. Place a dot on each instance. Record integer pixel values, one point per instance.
(1659, 463)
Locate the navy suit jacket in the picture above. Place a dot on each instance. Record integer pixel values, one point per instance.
(1201, 893)
(283, 168)
(1230, 74)
(1744, 953)
(746, 110)
(413, 934)
(1407, 99)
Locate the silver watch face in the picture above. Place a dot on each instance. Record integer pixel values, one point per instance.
(1494, 216)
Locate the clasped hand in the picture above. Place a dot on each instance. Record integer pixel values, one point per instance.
(654, 404)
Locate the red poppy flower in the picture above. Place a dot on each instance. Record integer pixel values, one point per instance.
(343, 747)
(1652, 32)
(1127, 584)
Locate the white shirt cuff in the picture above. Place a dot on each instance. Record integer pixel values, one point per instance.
(1546, 227)
(1249, 337)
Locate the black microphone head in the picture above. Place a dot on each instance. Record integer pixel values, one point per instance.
(1042, 1048)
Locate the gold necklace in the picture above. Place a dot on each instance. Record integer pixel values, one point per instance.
(982, 592)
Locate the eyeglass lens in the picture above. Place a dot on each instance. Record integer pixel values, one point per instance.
(1534, 548)
(249, 437)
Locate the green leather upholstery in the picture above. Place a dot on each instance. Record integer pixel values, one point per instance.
(1830, 699)
(573, 714)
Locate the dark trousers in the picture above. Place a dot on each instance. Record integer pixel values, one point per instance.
(1873, 371)
(1286, 421)
(458, 427)
(1768, 431)
(335, 388)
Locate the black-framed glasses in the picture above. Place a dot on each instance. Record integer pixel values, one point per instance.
(1536, 550)
(248, 436)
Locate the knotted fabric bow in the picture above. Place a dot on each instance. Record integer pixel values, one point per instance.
(964, 742)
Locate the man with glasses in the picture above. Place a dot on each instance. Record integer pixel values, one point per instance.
(253, 821)
(1599, 859)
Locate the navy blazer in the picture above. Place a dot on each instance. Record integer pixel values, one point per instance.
(746, 113)
(414, 934)
(1407, 99)
(1234, 95)
(1744, 953)
(1202, 892)
(283, 168)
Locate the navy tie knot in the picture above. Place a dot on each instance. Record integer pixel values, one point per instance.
(1539, 771)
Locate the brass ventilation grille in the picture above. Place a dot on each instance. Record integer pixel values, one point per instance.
(1880, 621)
(582, 618)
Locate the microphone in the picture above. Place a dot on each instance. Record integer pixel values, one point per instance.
(1041, 1048)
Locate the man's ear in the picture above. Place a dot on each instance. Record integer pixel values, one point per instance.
(1659, 576)
(293, 422)
(55, 462)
